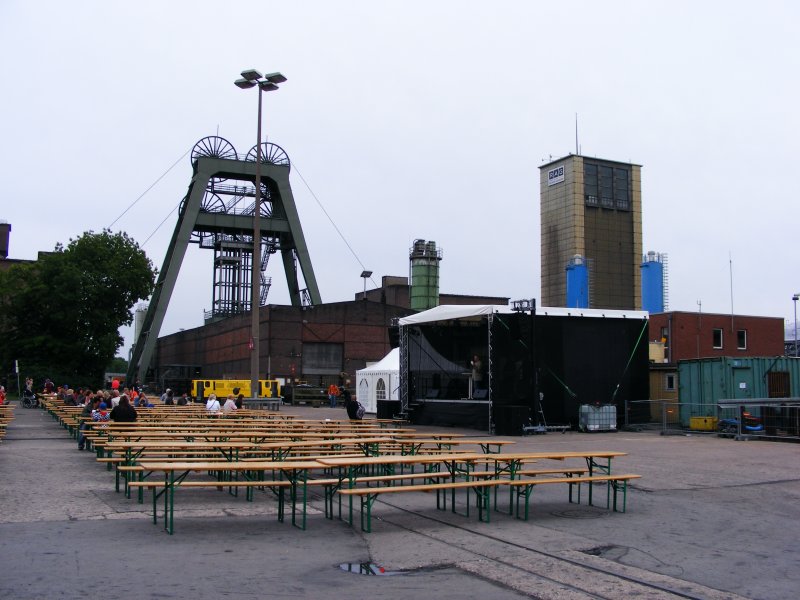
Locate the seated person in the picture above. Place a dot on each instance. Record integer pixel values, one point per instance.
(123, 412)
(212, 405)
(230, 405)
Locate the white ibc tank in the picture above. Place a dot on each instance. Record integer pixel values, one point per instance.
(597, 417)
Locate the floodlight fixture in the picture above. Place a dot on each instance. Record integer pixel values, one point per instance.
(244, 83)
(366, 275)
(275, 77)
(251, 74)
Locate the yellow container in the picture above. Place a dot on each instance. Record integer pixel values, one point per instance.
(703, 423)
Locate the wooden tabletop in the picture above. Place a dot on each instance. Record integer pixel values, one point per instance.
(264, 465)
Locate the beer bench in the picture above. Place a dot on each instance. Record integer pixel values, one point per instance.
(523, 489)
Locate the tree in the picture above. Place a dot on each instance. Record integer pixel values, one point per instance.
(117, 365)
(61, 315)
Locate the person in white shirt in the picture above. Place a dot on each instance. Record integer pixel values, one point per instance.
(212, 405)
(230, 405)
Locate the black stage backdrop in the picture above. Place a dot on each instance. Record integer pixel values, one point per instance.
(531, 370)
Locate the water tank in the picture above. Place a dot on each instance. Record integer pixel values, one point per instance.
(577, 283)
(653, 282)
(424, 259)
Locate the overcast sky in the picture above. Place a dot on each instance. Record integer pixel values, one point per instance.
(414, 120)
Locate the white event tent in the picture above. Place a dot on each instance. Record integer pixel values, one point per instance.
(380, 381)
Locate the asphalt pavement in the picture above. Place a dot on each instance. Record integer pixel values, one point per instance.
(711, 518)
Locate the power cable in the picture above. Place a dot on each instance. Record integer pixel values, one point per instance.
(142, 195)
(349, 247)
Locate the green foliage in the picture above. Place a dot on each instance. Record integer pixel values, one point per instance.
(61, 315)
(117, 365)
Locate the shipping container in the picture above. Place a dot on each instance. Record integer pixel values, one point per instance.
(704, 382)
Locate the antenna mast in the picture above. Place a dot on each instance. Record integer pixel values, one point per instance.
(730, 262)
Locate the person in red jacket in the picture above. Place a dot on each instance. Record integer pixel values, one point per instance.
(333, 395)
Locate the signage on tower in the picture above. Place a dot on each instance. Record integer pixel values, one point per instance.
(555, 176)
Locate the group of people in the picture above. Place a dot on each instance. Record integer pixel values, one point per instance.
(168, 398)
(96, 405)
(232, 403)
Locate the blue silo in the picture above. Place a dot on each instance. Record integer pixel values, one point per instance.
(577, 283)
(654, 282)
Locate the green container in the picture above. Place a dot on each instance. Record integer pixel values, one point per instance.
(704, 382)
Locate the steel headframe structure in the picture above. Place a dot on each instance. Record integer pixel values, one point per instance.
(217, 213)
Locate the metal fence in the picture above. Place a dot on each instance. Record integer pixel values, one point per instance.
(756, 418)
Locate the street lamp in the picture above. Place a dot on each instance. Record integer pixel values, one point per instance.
(366, 275)
(795, 298)
(266, 83)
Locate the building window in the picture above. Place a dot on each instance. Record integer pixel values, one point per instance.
(380, 390)
(717, 338)
(741, 339)
(669, 382)
(608, 187)
(590, 184)
(322, 358)
(621, 189)
(606, 181)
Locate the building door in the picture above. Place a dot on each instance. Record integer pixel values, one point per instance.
(743, 383)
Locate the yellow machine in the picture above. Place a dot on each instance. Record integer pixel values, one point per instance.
(201, 388)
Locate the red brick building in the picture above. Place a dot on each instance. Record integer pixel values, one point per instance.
(314, 344)
(703, 335)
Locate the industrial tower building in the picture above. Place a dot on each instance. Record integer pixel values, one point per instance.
(592, 209)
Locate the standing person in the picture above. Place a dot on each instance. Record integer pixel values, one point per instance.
(333, 395)
(2, 395)
(354, 409)
(477, 372)
(123, 412)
